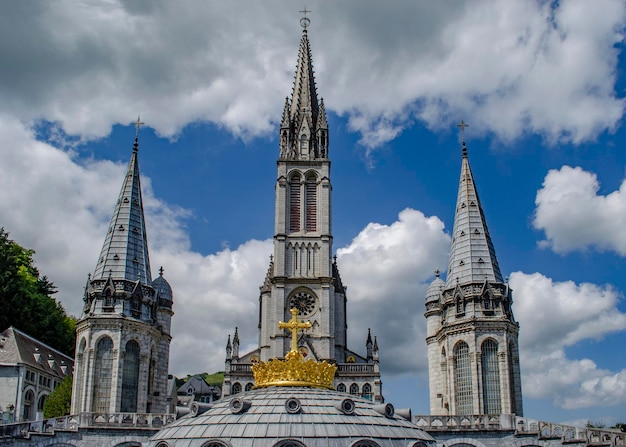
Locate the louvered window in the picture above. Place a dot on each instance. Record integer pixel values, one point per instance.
(103, 372)
(462, 379)
(294, 203)
(491, 378)
(130, 378)
(311, 203)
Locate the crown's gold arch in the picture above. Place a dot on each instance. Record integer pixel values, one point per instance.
(294, 370)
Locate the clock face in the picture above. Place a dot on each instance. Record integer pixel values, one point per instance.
(304, 302)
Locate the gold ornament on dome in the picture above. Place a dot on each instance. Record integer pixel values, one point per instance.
(294, 370)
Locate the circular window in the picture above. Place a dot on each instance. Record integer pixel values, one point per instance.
(304, 302)
(292, 405)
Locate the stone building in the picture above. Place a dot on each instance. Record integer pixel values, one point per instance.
(472, 336)
(123, 336)
(302, 273)
(29, 371)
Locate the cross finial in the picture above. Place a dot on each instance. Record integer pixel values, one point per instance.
(462, 125)
(293, 325)
(138, 124)
(305, 21)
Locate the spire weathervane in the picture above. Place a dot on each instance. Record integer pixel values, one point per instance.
(305, 21)
(293, 325)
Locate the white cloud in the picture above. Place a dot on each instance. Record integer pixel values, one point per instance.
(557, 315)
(575, 217)
(514, 67)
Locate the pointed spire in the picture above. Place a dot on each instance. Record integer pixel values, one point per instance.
(369, 337)
(229, 349)
(236, 344)
(472, 254)
(124, 254)
(302, 121)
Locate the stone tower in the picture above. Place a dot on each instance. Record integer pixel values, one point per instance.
(472, 336)
(302, 272)
(123, 336)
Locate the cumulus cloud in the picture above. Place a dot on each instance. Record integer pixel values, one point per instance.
(554, 316)
(515, 67)
(575, 217)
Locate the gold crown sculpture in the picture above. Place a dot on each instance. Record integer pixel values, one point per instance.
(294, 370)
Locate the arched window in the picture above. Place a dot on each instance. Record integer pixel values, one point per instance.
(341, 388)
(289, 443)
(236, 388)
(249, 386)
(462, 379)
(41, 402)
(491, 378)
(365, 443)
(130, 378)
(294, 203)
(29, 400)
(103, 370)
(311, 202)
(354, 389)
(79, 374)
(367, 391)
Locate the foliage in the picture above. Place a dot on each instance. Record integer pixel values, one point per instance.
(58, 403)
(26, 300)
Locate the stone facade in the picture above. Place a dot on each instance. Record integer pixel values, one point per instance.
(302, 272)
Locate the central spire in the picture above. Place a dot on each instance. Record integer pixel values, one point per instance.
(124, 253)
(472, 255)
(304, 129)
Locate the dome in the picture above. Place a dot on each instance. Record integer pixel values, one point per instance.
(293, 417)
(434, 289)
(162, 287)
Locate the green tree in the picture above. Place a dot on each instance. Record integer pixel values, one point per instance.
(26, 300)
(59, 401)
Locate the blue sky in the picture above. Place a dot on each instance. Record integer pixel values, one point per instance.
(540, 83)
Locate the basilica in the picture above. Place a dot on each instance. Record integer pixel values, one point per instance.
(302, 386)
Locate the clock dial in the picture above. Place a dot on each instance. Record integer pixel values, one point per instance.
(304, 302)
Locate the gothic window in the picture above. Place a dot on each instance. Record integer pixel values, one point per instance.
(294, 203)
(236, 388)
(249, 386)
(354, 389)
(103, 370)
(304, 144)
(151, 368)
(491, 378)
(311, 203)
(367, 391)
(460, 306)
(341, 388)
(108, 300)
(130, 378)
(462, 379)
(29, 400)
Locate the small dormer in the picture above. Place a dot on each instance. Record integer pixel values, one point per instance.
(63, 367)
(51, 361)
(37, 356)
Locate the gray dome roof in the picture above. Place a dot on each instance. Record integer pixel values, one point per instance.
(434, 290)
(293, 416)
(163, 287)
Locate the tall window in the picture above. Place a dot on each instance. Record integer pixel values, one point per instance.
(29, 400)
(236, 388)
(341, 388)
(102, 376)
(462, 379)
(311, 203)
(130, 378)
(354, 389)
(512, 387)
(79, 374)
(367, 391)
(491, 378)
(294, 203)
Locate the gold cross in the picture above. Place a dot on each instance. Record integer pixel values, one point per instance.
(138, 124)
(293, 325)
(462, 125)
